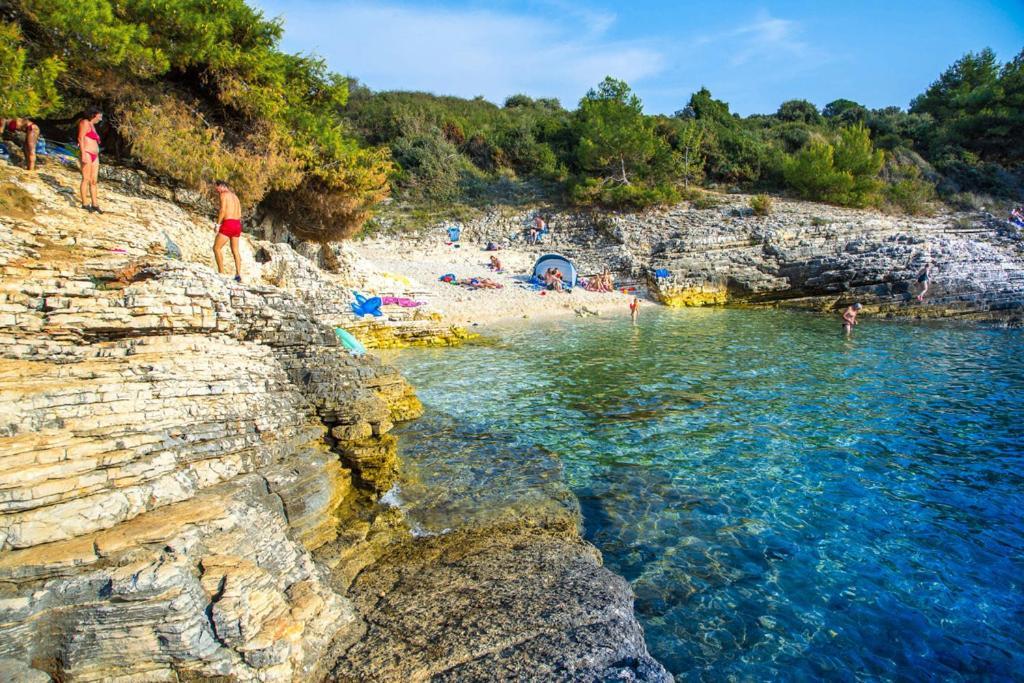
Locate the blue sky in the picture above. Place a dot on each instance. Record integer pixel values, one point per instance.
(752, 55)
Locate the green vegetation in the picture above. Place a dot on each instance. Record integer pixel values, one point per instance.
(761, 204)
(199, 89)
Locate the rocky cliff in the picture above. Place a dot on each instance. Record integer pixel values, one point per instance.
(189, 476)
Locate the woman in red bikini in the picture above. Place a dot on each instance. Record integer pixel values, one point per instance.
(89, 146)
(31, 131)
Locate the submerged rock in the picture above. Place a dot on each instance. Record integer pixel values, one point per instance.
(496, 604)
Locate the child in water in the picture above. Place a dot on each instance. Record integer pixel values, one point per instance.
(634, 309)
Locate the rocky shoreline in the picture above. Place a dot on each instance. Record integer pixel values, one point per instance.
(189, 477)
(191, 468)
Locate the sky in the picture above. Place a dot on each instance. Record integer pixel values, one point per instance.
(753, 55)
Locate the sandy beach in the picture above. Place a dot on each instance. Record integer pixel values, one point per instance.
(414, 269)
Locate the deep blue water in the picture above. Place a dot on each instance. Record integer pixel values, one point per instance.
(786, 503)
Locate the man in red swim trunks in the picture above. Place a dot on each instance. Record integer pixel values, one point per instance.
(229, 227)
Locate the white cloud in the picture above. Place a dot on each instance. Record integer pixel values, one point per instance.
(764, 38)
(466, 52)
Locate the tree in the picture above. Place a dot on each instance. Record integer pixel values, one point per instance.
(614, 137)
(799, 110)
(26, 88)
(846, 173)
(200, 89)
(845, 112)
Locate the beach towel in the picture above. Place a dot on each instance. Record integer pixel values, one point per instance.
(402, 301)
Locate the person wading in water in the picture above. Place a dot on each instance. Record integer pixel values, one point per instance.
(31, 131)
(850, 318)
(89, 147)
(228, 227)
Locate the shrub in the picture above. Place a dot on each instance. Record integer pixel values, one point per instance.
(591, 192)
(909, 192)
(431, 167)
(818, 221)
(761, 204)
(705, 200)
(172, 140)
(845, 174)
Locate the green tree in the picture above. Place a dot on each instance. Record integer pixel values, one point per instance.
(845, 112)
(846, 173)
(26, 88)
(200, 89)
(798, 110)
(615, 139)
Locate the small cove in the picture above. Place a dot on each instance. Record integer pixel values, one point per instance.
(784, 502)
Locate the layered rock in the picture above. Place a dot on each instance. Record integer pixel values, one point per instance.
(173, 446)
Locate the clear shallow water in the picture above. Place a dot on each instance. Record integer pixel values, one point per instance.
(785, 503)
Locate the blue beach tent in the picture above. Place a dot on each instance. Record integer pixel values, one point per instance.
(564, 266)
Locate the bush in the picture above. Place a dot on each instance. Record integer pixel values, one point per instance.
(171, 139)
(594, 192)
(818, 221)
(705, 200)
(430, 166)
(845, 174)
(909, 192)
(761, 204)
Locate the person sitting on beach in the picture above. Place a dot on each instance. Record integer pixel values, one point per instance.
(495, 264)
(31, 131)
(1017, 216)
(536, 229)
(850, 317)
(553, 279)
(922, 278)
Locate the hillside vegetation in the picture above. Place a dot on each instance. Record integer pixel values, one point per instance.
(199, 89)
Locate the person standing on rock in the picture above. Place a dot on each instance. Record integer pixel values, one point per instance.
(850, 318)
(537, 229)
(228, 227)
(31, 131)
(89, 148)
(923, 277)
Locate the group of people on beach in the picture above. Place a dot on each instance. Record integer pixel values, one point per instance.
(602, 282)
(553, 280)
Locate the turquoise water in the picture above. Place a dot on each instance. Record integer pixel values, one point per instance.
(786, 503)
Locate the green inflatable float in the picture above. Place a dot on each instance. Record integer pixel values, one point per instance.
(349, 342)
